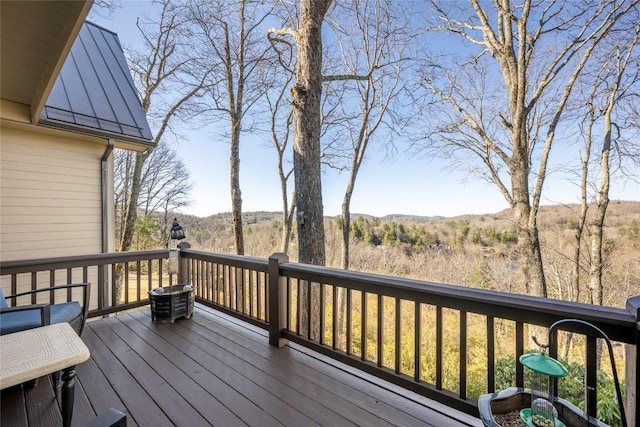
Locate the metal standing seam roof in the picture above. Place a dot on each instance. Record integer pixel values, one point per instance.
(95, 93)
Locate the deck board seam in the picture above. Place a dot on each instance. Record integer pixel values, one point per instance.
(364, 407)
(233, 367)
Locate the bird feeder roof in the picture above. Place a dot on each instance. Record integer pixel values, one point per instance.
(543, 364)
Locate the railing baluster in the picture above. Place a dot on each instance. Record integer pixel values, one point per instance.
(417, 322)
(334, 320)
(14, 288)
(439, 347)
(212, 286)
(299, 307)
(138, 280)
(322, 313)
(491, 355)
(126, 283)
(363, 336)
(215, 284)
(398, 340)
(380, 331)
(237, 281)
(240, 290)
(52, 283)
(149, 275)
(289, 308)
(349, 316)
(230, 288)
(519, 352)
(252, 311)
(34, 286)
(246, 292)
(113, 286)
(224, 285)
(463, 355)
(309, 285)
(258, 297)
(591, 376)
(69, 281)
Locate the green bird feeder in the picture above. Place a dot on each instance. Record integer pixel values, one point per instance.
(544, 369)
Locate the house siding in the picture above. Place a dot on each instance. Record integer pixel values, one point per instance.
(50, 204)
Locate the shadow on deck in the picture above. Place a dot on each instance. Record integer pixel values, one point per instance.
(216, 370)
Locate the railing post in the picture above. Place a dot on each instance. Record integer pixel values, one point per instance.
(632, 381)
(183, 265)
(277, 300)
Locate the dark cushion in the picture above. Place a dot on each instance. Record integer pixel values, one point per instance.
(29, 319)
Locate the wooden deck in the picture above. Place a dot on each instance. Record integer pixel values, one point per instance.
(217, 370)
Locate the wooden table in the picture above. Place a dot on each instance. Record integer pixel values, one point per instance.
(34, 353)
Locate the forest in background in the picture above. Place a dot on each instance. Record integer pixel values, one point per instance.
(470, 250)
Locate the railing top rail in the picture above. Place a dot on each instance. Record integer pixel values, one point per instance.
(241, 261)
(43, 264)
(618, 323)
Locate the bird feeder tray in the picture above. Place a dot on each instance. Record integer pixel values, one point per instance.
(515, 399)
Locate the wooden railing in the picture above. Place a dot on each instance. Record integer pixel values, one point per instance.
(371, 322)
(234, 284)
(119, 281)
(411, 333)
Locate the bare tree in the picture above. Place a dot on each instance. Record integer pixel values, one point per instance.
(502, 121)
(375, 37)
(164, 79)
(280, 135)
(104, 8)
(165, 185)
(615, 82)
(231, 35)
(163, 76)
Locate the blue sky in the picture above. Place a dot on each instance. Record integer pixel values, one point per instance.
(406, 184)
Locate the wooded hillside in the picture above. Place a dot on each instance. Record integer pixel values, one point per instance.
(469, 250)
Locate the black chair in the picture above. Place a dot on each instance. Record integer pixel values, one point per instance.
(20, 318)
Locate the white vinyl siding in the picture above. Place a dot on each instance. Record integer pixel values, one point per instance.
(49, 196)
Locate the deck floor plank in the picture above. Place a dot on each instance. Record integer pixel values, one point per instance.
(42, 406)
(12, 406)
(278, 363)
(140, 407)
(82, 409)
(242, 377)
(280, 383)
(170, 363)
(162, 391)
(217, 370)
(197, 367)
(98, 390)
(366, 397)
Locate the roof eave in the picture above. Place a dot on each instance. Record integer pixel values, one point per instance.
(133, 143)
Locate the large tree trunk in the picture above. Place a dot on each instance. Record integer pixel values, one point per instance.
(525, 216)
(306, 94)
